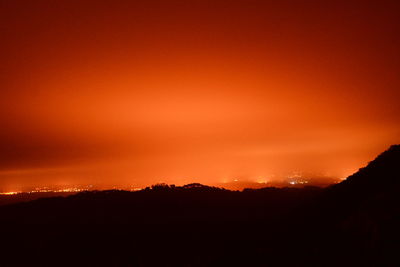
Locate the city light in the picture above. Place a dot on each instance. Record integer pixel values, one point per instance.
(9, 193)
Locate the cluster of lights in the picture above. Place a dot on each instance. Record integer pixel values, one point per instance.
(135, 189)
(9, 193)
(296, 178)
(298, 182)
(48, 190)
(63, 190)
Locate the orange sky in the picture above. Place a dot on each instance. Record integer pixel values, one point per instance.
(139, 92)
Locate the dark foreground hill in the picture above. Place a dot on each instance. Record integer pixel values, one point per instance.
(353, 223)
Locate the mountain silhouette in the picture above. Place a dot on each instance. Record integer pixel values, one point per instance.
(375, 185)
(353, 223)
(379, 175)
(362, 213)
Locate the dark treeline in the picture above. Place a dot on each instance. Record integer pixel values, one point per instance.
(354, 223)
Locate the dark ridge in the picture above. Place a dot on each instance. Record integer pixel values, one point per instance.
(381, 173)
(361, 215)
(380, 179)
(354, 223)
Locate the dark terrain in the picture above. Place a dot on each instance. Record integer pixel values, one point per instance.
(24, 197)
(354, 223)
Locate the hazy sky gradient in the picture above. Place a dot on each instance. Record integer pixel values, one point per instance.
(138, 92)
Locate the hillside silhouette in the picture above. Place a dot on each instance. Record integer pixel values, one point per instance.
(353, 223)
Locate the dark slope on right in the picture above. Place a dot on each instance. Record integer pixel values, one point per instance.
(380, 175)
(360, 217)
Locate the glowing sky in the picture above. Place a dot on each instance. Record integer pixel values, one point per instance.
(139, 92)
